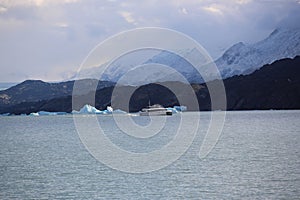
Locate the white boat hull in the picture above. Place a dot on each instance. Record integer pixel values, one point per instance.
(156, 113)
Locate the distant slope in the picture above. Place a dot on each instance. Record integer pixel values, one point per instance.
(274, 86)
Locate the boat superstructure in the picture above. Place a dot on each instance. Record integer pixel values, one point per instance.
(155, 110)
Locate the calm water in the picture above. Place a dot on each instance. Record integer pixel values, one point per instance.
(256, 157)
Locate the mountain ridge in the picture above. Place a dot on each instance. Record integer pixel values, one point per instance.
(38, 90)
(274, 86)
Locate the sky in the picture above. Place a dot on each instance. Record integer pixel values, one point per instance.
(49, 39)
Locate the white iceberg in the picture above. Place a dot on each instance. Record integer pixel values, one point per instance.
(88, 109)
(109, 109)
(34, 114)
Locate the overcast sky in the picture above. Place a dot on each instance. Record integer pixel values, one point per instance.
(48, 39)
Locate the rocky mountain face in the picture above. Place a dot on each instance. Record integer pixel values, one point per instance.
(274, 86)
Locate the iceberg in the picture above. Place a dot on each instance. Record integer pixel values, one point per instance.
(177, 109)
(174, 111)
(88, 109)
(46, 113)
(180, 108)
(34, 114)
(51, 113)
(74, 112)
(118, 111)
(109, 109)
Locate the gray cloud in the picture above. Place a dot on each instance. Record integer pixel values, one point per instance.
(48, 39)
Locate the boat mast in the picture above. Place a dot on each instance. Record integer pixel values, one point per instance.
(149, 102)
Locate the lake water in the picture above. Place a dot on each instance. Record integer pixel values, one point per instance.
(257, 157)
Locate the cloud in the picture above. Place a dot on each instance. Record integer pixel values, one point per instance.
(184, 11)
(243, 1)
(49, 38)
(213, 9)
(2, 9)
(62, 25)
(39, 3)
(128, 17)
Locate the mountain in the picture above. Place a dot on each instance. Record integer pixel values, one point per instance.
(144, 62)
(37, 90)
(180, 64)
(118, 67)
(244, 59)
(239, 59)
(273, 86)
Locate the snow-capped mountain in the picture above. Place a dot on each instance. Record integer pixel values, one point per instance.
(147, 66)
(239, 59)
(119, 67)
(244, 59)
